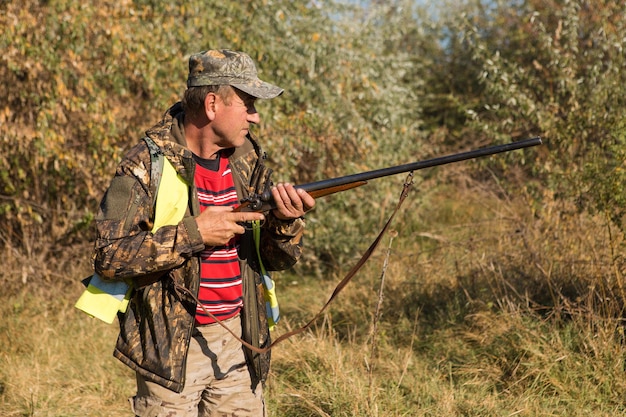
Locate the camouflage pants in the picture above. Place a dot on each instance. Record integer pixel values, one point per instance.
(217, 381)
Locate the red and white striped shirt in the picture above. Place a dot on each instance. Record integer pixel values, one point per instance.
(220, 277)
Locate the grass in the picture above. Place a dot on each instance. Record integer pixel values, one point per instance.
(55, 361)
(489, 308)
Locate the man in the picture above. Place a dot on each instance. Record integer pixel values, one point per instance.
(197, 281)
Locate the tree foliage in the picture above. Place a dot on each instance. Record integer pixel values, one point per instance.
(556, 68)
(367, 84)
(83, 80)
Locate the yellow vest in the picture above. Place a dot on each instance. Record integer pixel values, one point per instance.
(172, 198)
(104, 299)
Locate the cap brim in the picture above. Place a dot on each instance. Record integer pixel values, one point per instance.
(259, 89)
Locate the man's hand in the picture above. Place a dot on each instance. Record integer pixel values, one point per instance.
(218, 224)
(291, 202)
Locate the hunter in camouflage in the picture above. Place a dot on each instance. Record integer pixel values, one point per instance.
(158, 327)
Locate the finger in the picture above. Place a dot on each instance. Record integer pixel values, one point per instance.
(289, 204)
(280, 195)
(293, 197)
(245, 216)
(218, 209)
(238, 230)
(288, 201)
(280, 211)
(288, 194)
(308, 201)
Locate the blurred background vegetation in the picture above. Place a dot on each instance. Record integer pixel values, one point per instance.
(505, 286)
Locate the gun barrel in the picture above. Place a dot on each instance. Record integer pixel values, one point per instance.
(414, 166)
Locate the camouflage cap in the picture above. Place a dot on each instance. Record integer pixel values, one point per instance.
(226, 67)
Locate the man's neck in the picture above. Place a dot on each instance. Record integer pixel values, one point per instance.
(199, 143)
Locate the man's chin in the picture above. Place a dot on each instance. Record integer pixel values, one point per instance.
(241, 140)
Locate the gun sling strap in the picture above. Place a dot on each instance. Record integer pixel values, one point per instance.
(342, 284)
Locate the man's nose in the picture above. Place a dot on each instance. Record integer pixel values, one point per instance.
(253, 115)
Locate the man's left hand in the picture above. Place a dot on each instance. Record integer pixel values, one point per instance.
(291, 202)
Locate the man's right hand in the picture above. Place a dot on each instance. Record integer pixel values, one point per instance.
(218, 224)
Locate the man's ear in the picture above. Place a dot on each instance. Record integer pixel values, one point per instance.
(210, 106)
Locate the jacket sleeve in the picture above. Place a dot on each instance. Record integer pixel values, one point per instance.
(125, 247)
(281, 242)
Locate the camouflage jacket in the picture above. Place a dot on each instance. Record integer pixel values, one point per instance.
(156, 329)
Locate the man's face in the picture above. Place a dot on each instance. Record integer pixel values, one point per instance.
(233, 117)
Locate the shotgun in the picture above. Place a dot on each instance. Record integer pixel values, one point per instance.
(264, 202)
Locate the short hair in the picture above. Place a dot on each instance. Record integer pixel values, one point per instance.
(193, 99)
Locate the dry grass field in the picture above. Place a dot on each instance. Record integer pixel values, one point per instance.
(497, 308)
